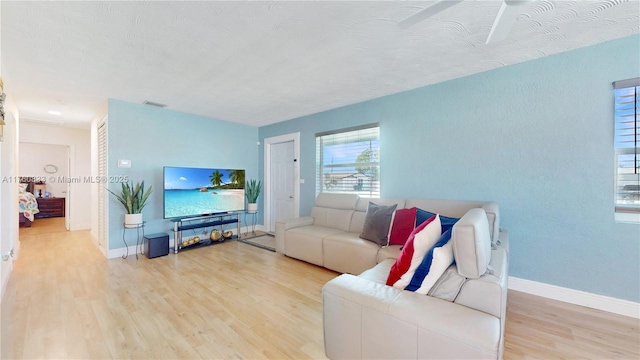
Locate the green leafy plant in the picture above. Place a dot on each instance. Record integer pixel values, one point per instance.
(133, 198)
(252, 190)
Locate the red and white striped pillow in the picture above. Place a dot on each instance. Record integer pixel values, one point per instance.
(419, 243)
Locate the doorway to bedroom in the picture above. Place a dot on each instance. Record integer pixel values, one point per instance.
(47, 165)
(61, 155)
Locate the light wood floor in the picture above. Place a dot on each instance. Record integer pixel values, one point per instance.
(232, 300)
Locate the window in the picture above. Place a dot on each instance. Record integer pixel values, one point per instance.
(348, 161)
(627, 154)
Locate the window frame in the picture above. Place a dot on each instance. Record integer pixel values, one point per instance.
(359, 134)
(625, 212)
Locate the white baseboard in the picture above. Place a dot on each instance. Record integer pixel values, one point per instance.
(120, 252)
(576, 297)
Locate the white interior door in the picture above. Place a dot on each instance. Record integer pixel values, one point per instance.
(282, 182)
(282, 179)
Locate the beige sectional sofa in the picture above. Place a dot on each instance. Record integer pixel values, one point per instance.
(461, 317)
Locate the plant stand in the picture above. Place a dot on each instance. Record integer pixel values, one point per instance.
(254, 219)
(139, 239)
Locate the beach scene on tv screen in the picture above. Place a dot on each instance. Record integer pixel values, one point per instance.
(198, 191)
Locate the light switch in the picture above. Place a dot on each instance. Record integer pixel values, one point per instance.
(124, 163)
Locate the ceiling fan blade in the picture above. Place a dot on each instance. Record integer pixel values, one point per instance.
(427, 12)
(509, 11)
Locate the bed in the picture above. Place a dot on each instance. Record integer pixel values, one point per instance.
(27, 203)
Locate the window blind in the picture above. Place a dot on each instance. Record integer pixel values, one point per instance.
(348, 161)
(626, 143)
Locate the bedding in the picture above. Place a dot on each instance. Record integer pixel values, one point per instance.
(27, 204)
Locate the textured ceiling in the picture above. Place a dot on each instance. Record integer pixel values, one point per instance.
(263, 62)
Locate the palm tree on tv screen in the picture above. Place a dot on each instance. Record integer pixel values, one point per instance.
(237, 178)
(216, 178)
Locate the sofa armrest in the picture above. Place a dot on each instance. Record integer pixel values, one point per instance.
(364, 319)
(282, 226)
(365, 292)
(344, 299)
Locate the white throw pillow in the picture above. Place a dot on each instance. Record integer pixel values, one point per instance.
(442, 259)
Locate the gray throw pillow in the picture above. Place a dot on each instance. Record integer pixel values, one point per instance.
(377, 222)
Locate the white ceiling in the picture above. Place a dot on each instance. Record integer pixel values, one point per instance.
(263, 62)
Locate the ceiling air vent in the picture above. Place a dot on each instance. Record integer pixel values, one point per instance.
(154, 104)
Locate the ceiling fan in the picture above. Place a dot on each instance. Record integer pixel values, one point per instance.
(501, 26)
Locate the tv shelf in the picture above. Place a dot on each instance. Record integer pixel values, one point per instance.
(198, 222)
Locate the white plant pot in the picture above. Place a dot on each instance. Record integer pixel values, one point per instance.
(132, 220)
(252, 208)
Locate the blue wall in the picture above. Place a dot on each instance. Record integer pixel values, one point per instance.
(153, 138)
(536, 137)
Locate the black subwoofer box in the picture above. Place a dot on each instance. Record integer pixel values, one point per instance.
(156, 245)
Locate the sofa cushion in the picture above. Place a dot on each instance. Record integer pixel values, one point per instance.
(389, 252)
(445, 221)
(334, 210)
(345, 252)
(404, 221)
(414, 250)
(488, 293)
(378, 273)
(305, 243)
(337, 201)
(363, 203)
(472, 243)
(333, 218)
(434, 264)
(377, 222)
(448, 285)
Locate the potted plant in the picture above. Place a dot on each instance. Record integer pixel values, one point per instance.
(134, 199)
(252, 192)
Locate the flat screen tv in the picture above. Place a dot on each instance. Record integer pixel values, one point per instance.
(190, 192)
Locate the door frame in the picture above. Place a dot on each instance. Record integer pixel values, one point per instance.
(268, 143)
(71, 173)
